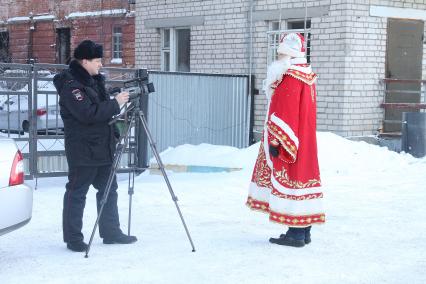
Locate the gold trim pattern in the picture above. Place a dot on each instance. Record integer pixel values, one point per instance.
(262, 172)
(306, 78)
(298, 197)
(282, 178)
(296, 221)
(284, 139)
(257, 205)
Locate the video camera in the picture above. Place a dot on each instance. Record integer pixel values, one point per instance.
(136, 87)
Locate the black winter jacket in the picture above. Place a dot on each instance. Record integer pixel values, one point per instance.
(86, 109)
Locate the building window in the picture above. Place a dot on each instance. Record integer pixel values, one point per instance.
(300, 25)
(273, 40)
(63, 45)
(117, 45)
(4, 47)
(175, 50)
(291, 26)
(165, 50)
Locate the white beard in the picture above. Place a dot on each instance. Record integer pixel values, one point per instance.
(275, 72)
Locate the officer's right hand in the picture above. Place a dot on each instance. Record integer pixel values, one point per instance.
(122, 98)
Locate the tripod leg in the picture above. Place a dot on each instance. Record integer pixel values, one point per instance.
(115, 163)
(130, 192)
(131, 163)
(160, 163)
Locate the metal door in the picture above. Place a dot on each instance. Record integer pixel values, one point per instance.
(404, 54)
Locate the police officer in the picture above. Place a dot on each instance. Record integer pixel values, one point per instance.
(86, 109)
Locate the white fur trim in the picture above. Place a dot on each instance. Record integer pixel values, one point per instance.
(286, 128)
(296, 208)
(259, 193)
(275, 72)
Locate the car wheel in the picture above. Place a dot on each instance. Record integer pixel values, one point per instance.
(26, 125)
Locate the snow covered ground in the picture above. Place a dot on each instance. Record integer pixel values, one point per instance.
(375, 232)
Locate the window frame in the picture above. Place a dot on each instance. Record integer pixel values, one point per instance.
(5, 44)
(167, 50)
(172, 48)
(114, 52)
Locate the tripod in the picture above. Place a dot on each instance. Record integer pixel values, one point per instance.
(136, 114)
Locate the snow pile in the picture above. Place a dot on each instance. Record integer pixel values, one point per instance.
(209, 155)
(336, 155)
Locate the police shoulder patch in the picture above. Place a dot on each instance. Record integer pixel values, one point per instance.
(78, 95)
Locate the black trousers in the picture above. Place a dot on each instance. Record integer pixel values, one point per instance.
(79, 181)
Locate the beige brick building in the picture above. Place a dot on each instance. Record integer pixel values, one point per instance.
(353, 46)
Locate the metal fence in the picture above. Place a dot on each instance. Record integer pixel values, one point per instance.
(199, 108)
(185, 108)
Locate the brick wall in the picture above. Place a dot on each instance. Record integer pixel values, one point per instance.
(349, 55)
(100, 30)
(227, 15)
(44, 39)
(220, 45)
(18, 40)
(44, 32)
(16, 8)
(348, 46)
(348, 51)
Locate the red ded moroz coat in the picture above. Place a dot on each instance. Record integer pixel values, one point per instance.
(288, 187)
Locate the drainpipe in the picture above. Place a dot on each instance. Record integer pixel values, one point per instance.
(30, 39)
(305, 43)
(251, 42)
(250, 126)
(129, 6)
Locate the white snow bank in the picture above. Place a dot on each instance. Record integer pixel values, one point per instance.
(331, 149)
(209, 155)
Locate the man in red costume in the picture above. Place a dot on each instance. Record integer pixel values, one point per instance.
(286, 180)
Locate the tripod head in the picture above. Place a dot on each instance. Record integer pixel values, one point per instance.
(137, 88)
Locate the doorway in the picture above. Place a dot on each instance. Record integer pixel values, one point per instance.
(63, 45)
(404, 52)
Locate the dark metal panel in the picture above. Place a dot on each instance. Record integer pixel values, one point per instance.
(404, 54)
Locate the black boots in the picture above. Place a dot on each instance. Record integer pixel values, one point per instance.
(78, 246)
(295, 237)
(307, 235)
(120, 239)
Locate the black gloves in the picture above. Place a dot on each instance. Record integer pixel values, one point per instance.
(274, 150)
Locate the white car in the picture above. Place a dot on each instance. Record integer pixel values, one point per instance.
(16, 198)
(14, 115)
(14, 109)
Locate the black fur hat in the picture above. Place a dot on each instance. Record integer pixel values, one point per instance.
(88, 49)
